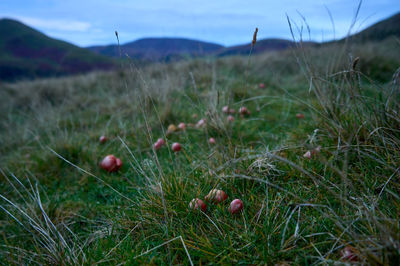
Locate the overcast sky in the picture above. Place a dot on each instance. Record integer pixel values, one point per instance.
(228, 22)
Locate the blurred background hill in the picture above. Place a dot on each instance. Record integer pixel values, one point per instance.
(26, 53)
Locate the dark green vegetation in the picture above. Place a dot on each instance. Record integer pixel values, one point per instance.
(27, 53)
(296, 210)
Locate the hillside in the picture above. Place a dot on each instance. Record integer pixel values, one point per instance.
(155, 49)
(265, 45)
(28, 53)
(379, 31)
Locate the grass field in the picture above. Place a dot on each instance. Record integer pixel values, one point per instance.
(59, 207)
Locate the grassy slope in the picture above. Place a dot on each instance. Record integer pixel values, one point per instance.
(302, 212)
(27, 53)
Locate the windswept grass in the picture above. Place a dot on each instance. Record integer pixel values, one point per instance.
(296, 210)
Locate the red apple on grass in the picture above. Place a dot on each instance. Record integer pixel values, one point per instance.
(103, 139)
(182, 126)
(110, 163)
(230, 118)
(244, 111)
(216, 196)
(236, 206)
(118, 163)
(197, 205)
(159, 143)
(211, 141)
(176, 147)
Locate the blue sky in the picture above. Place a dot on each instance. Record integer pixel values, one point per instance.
(228, 22)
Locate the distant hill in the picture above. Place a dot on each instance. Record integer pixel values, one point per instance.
(28, 53)
(266, 45)
(155, 49)
(379, 31)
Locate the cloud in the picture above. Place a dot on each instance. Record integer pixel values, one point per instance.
(55, 24)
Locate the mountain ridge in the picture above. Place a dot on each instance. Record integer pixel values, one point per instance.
(162, 48)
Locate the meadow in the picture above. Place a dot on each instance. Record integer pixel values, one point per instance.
(59, 207)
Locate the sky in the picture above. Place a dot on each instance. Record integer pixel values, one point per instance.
(227, 22)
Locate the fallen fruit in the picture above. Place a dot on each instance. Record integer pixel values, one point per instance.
(236, 206)
(103, 139)
(171, 128)
(201, 123)
(243, 111)
(157, 146)
(110, 163)
(211, 141)
(161, 141)
(300, 116)
(307, 155)
(349, 253)
(118, 163)
(182, 126)
(261, 85)
(197, 204)
(230, 118)
(216, 196)
(176, 147)
(225, 109)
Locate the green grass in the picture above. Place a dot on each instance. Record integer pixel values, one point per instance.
(296, 210)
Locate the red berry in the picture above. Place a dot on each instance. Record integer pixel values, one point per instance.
(261, 85)
(300, 116)
(236, 206)
(225, 109)
(176, 147)
(230, 118)
(211, 141)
